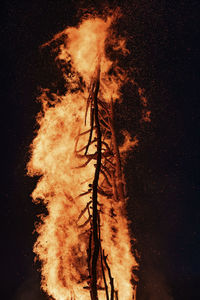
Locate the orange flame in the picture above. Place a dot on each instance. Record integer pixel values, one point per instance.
(63, 239)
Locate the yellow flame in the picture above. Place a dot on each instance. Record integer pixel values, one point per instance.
(62, 243)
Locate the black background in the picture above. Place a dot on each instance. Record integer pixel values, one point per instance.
(163, 172)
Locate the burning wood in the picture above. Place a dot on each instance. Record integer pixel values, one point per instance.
(84, 244)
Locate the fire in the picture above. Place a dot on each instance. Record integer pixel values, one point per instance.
(84, 242)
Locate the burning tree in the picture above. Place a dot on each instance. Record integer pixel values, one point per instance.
(84, 242)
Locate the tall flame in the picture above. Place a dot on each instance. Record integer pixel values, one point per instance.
(66, 173)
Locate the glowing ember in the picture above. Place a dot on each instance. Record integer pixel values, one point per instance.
(84, 243)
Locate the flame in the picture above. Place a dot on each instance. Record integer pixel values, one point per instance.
(65, 176)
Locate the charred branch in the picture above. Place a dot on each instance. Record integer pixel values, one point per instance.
(107, 171)
(84, 147)
(89, 158)
(104, 120)
(103, 193)
(104, 106)
(110, 277)
(85, 223)
(112, 165)
(84, 210)
(106, 178)
(85, 193)
(108, 148)
(87, 231)
(106, 133)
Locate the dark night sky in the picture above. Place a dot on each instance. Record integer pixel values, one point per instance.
(163, 173)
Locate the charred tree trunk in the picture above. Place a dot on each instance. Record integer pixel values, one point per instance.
(95, 225)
